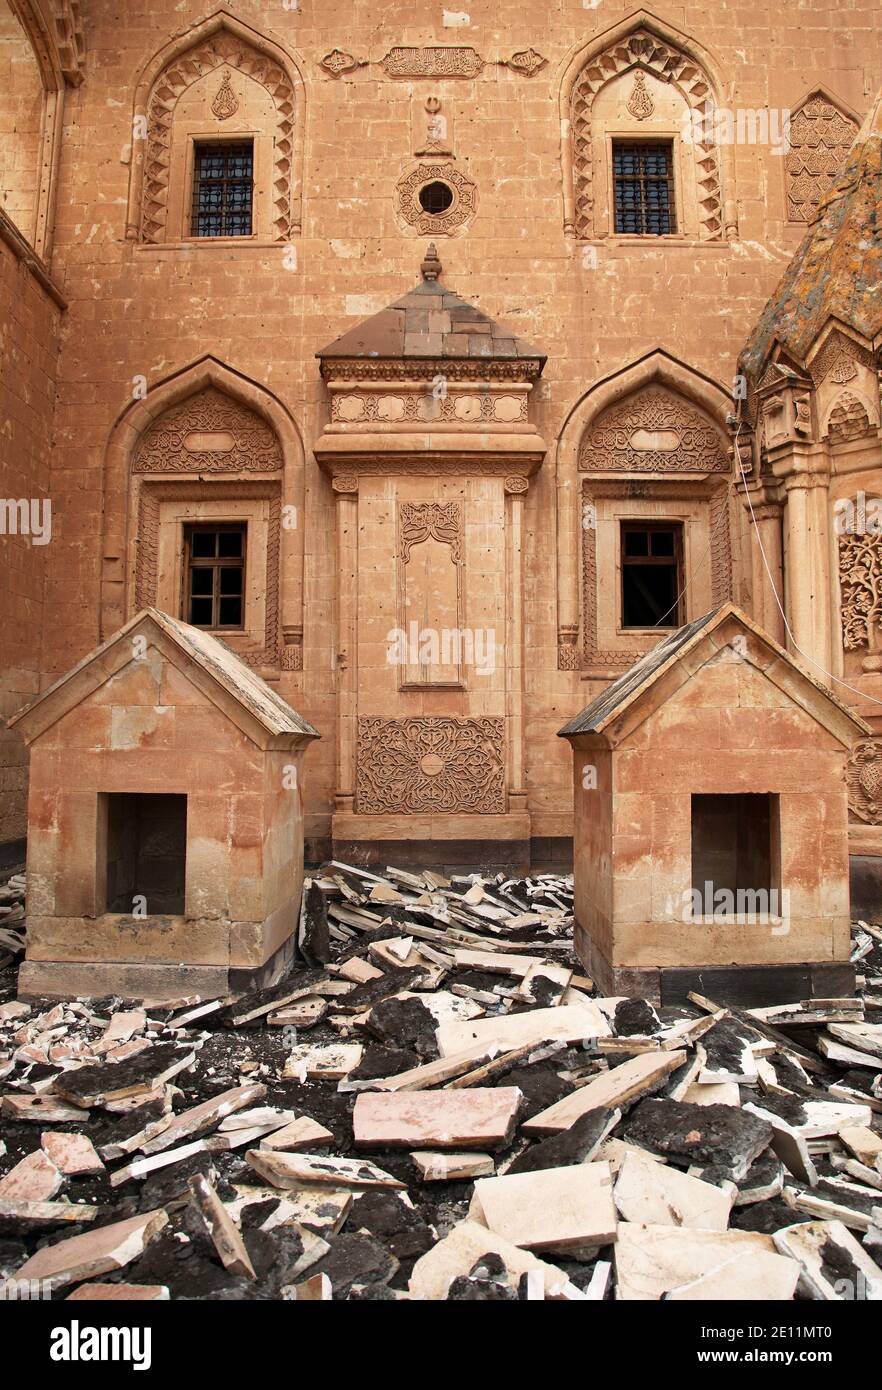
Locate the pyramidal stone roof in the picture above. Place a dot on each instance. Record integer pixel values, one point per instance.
(837, 271)
(430, 322)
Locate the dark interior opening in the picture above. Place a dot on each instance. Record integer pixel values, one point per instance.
(652, 574)
(435, 197)
(735, 847)
(146, 852)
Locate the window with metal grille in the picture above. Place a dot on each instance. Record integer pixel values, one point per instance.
(223, 189)
(652, 565)
(644, 187)
(214, 593)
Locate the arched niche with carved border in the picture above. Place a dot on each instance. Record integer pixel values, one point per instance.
(32, 109)
(221, 80)
(646, 445)
(643, 79)
(822, 129)
(207, 445)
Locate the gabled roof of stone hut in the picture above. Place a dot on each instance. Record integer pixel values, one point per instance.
(642, 684)
(433, 322)
(836, 273)
(214, 658)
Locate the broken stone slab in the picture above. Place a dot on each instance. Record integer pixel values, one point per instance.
(303, 1013)
(95, 1252)
(705, 1134)
(866, 1037)
(832, 1200)
(307, 1061)
(654, 1194)
(651, 1260)
(428, 1074)
(714, 1093)
(482, 1118)
(544, 985)
(566, 1210)
(760, 1277)
(813, 1119)
(578, 1144)
(316, 1289)
(607, 1091)
(251, 1009)
(319, 1210)
(313, 938)
(356, 1259)
(864, 1143)
(452, 1167)
(26, 1218)
(300, 1170)
(41, 1109)
(569, 1023)
(496, 962)
(834, 1265)
(119, 1293)
(302, 1133)
(457, 1254)
(221, 1229)
(166, 1133)
(35, 1178)
(73, 1154)
(143, 1167)
(135, 1076)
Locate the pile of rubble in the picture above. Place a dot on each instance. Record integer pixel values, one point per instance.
(436, 1105)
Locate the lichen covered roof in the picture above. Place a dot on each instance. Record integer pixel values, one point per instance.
(837, 271)
(430, 321)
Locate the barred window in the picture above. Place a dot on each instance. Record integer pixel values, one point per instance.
(644, 187)
(215, 575)
(223, 189)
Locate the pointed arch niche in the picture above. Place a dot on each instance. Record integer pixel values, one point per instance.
(220, 80)
(207, 445)
(643, 80)
(646, 446)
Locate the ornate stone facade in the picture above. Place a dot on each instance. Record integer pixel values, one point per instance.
(653, 433)
(210, 433)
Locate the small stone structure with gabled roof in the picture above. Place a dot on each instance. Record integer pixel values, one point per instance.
(711, 830)
(165, 826)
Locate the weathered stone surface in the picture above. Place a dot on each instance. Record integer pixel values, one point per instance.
(481, 1118)
(72, 1154)
(559, 1210)
(689, 1134)
(95, 1252)
(35, 1178)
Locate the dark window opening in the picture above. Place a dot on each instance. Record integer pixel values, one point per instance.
(223, 189)
(643, 177)
(146, 852)
(736, 851)
(214, 572)
(435, 197)
(652, 574)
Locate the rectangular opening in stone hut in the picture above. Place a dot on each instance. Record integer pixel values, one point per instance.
(146, 851)
(735, 848)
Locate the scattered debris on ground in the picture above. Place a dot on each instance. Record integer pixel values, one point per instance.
(435, 1104)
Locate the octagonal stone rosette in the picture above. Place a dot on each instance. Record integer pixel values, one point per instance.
(453, 219)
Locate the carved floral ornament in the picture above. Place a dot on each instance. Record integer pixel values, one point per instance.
(860, 587)
(223, 50)
(422, 521)
(463, 407)
(863, 776)
(337, 62)
(226, 103)
(643, 50)
(442, 765)
(820, 138)
(652, 432)
(208, 433)
(461, 210)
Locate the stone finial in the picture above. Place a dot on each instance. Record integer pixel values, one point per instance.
(431, 266)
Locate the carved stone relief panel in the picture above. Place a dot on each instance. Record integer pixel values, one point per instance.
(863, 775)
(433, 62)
(820, 138)
(440, 765)
(848, 419)
(653, 432)
(860, 588)
(462, 207)
(208, 433)
(420, 406)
